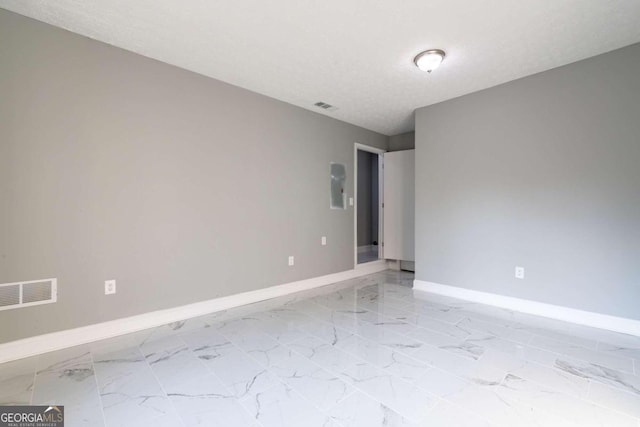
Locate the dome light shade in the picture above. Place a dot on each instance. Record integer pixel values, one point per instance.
(429, 60)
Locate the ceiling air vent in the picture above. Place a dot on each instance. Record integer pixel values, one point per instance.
(325, 106)
(25, 294)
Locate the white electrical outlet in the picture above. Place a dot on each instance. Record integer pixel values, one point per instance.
(323, 241)
(109, 287)
(290, 260)
(350, 201)
(519, 272)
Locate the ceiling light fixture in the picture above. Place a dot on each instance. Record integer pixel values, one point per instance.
(429, 60)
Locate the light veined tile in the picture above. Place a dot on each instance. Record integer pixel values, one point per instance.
(281, 330)
(365, 349)
(115, 344)
(397, 291)
(621, 351)
(604, 336)
(67, 378)
(564, 336)
(379, 302)
(542, 383)
(281, 406)
(405, 367)
(288, 314)
(541, 324)
(168, 420)
(596, 373)
(399, 314)
(110, 366)
(400, 395)
(360, 410)
(478, 371)
(129, 390)
(172, 361)
(472, 324)
(240, 373)
(545, 374)
(16, 381)
(553, 378)
(489, 402)
(317, 384)
(462, 346)
(566, 407)
(313, 312)
(446, 414)
(344, 319)
(207, 344)
(623, 364)
(238, 326)
(444, 314)
(325, 331)
(387, 337)
(336, 300)
(444, 328)
(205, 401)
(441, 383)
(384, 357)
(256, 344)
(324, 354)
(129, 409)
(377, 319)
(614, 398)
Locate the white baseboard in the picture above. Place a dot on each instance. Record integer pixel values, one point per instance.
(71, 337)
(580, 317)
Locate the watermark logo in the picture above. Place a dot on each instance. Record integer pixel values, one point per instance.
(32, 416)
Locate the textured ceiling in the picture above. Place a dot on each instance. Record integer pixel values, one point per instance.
(354, 54)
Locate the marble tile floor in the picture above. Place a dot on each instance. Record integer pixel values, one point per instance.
(364, 352)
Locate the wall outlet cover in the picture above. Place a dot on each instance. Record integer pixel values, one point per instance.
(291, 260)
(519, 272)
(323, 241)
(109, 287)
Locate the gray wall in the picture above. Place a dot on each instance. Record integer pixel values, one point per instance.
(181, 187)
(404, 141)
(544, 173)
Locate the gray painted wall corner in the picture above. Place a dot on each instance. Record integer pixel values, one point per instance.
(542, 173)
(181, 187)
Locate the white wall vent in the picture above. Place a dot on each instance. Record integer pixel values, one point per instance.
(25, 294)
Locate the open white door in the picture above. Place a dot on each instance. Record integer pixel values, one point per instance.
(399, 205)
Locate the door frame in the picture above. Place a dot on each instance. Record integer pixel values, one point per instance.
(380, 152)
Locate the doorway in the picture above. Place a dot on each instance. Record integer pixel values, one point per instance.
(368, 170)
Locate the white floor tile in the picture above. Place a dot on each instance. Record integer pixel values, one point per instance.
(281, 406)
(360, 410)
(172, 361)
(317, 384)
(402, 396)
(614, 398)
(67, 378)
(205, 401)
(16, 381)
(364, 352)
(324, 354)
(624, 364)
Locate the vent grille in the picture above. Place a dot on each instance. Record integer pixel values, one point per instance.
(325, 106)
(24, 294)
(9, 295)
